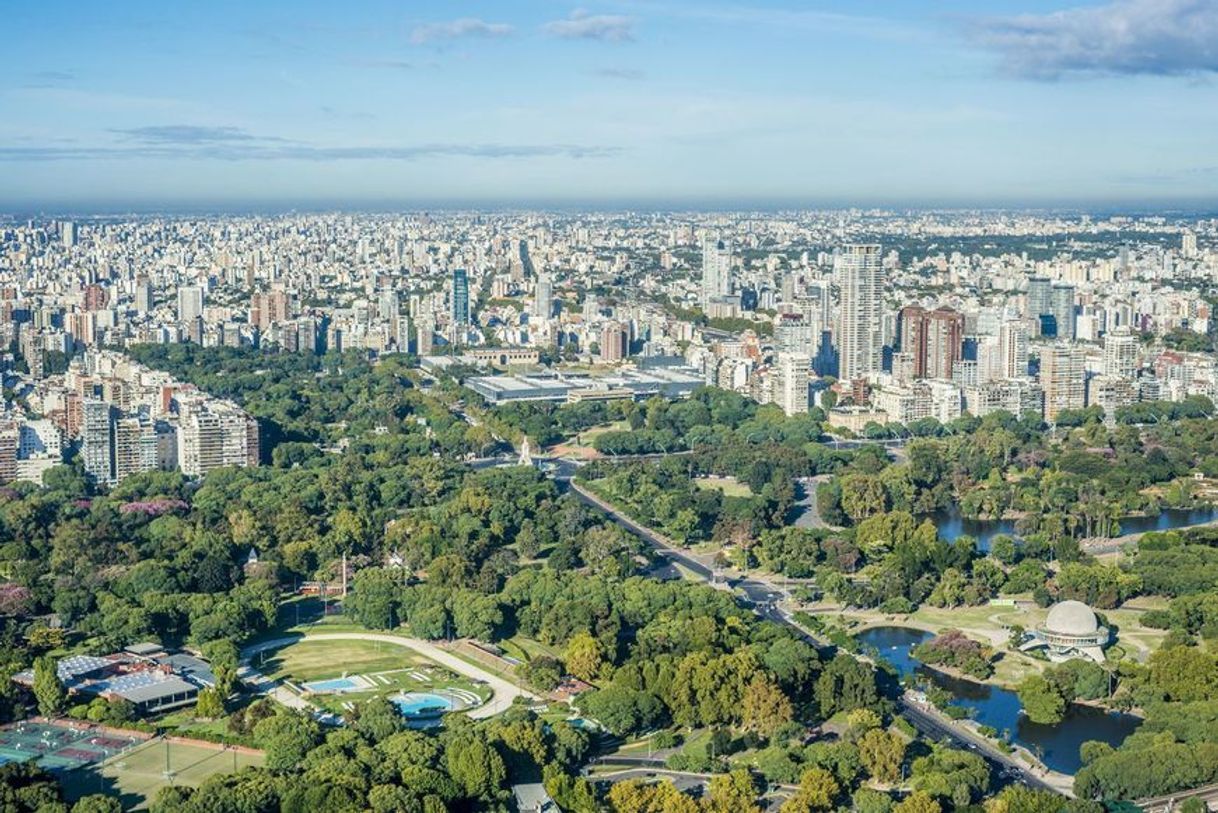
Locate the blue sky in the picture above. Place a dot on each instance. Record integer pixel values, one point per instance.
(777, 102)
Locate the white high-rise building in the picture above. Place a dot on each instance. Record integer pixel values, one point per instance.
(716, 270)
(860, 276)
(1120, 354)
(97, 440)
(190, 303)
(1188, 244)
(790, 382)
(1013, 349)
(1063, 378)
(213, 434)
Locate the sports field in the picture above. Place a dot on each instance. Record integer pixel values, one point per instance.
(138, 774)
(317, 660)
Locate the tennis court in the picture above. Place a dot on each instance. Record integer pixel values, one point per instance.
(136, 775)
(60, 747)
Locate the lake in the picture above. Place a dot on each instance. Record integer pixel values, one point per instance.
(1056, 745)
(951, 524)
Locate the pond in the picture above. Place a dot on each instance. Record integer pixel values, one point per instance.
(951, 524)
(1056, 745)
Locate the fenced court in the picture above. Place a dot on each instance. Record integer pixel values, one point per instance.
(137, 774)
(61, 746)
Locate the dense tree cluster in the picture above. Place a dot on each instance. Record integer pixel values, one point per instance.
(955, 650)
(1076, 486)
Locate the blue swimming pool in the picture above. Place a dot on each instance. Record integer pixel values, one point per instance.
(423, 704)
(333, 685)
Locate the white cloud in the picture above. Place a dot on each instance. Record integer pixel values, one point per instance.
(464, 27)
(1154, 37)
(581, 25)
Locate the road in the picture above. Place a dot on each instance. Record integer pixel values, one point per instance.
(504, 693)
(809, 516)
(1166, 804)
(764, 598)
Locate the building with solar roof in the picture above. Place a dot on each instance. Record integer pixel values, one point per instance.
(144, 675)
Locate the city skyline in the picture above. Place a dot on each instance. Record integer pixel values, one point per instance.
(630, 103)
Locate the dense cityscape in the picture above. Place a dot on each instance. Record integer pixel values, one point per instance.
(650, 407)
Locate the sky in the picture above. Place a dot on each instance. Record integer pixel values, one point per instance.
(768, 103)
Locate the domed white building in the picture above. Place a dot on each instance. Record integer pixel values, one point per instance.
(1070, 631)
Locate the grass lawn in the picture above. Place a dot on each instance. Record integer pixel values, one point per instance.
(317, 660)
(137, 775)
(586, 437)
(523, 649)
(729, 486)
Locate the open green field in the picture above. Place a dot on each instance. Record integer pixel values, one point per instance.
(136, 776)
(389, 669)
(586, 437)
(317, 660)
(729, 486)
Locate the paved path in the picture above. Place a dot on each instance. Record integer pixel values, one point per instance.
(501, 699)
(1170, 802)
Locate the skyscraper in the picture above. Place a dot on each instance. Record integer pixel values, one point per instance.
(860, 276)
(790, 382)
(460, 297)
(97, 441)
(1013, 349)
(934, 340)
(543, 297)
(1062, 307)
(613, 342)
(1120, 353)
(143, 295)
(1188, 244)
(1063, 378)
(716, 270)
(190, 303)
(1040, 299)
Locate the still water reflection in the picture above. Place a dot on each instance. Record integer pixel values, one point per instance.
(1057, 745)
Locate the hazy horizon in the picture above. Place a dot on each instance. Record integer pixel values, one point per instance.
(1108, 103)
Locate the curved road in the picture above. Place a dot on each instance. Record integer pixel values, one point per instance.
(503, 691)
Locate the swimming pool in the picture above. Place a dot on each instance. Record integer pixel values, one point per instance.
(343, 684)
(423, 704)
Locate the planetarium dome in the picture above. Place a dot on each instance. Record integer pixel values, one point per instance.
(1072, 618)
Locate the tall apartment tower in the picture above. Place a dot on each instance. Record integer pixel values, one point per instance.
(543, 297)
(613, 342)
(214, 435)
(143, 295)
(190, 303)
(1120, 353)
(1040, 293)
(790, 382)
(460, 297)
(10, 443)
(934, 340)
(1063, 378)
(860, 277)
(716, 270)
(135, 446)
(1013, 349)
(97, 440)
(1188, 244)
(1062, 309)
(425, 337)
